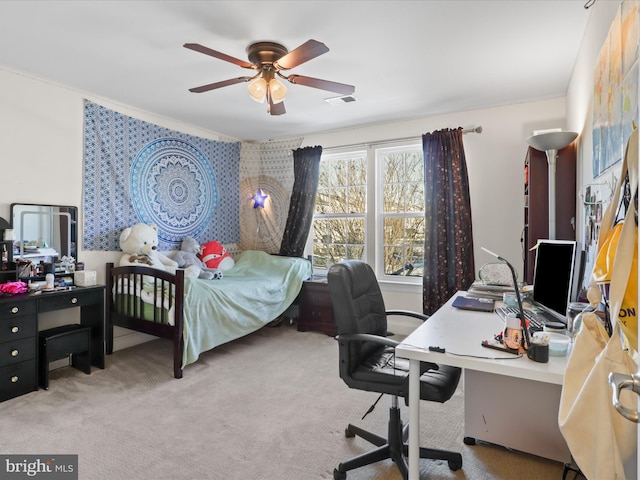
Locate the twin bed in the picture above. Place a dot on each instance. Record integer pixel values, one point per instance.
(198, 315)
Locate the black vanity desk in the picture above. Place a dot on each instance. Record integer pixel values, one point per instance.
(19, 332)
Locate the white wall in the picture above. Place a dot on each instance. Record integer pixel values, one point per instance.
(579, 117)
(41, 151)
(495, 157)
(580, 95)
(495, 160)
(41, 148)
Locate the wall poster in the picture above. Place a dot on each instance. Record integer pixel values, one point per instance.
(616, 88)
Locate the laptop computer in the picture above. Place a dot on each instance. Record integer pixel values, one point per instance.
(553, 278)
(553, 283)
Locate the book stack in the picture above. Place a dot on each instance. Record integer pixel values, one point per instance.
(47, 251)
(474, 303)
(481, 290)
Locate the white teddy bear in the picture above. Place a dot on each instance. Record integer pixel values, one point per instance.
(140, 246)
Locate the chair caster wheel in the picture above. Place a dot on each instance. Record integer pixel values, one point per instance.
(348, 433)
(339, 475)
(469, 441)
(454, 465)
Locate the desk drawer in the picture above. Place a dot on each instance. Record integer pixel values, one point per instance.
(73, 298)
(18, 379)
(17, 327)
(17, 351)
(16, 309)
(316, 295)
(320, 315)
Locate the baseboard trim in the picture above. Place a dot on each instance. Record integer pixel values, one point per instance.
(131, 339)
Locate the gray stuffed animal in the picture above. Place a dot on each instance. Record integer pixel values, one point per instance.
(187, 258)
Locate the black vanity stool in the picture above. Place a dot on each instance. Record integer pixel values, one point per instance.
(60, 342)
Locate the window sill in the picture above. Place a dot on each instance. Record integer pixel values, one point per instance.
(395, 286)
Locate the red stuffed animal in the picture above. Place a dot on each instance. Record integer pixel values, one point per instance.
(214, 255)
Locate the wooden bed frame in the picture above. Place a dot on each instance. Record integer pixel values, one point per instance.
(126, 311)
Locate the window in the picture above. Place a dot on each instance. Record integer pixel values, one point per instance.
(382, 225)
(401, 210)
(339, 224)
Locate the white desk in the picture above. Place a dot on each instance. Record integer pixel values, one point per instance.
(508, 401)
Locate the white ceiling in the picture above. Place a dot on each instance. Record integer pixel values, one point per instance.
(407, 59)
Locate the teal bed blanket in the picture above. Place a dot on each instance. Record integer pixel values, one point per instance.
(258, 289)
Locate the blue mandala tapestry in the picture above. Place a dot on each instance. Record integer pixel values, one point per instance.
(134, 171)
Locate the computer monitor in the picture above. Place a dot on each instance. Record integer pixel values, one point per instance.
(553, 276)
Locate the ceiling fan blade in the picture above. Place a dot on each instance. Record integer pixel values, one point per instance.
(341, 88)
(276, 108)
(222, 56)
(224, 83)
(305, 52)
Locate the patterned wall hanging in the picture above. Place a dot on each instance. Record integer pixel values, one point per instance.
(134, 171)
(267, 166)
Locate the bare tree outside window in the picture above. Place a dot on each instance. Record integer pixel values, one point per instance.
(402, 210)
(341, 201)
(342, 223)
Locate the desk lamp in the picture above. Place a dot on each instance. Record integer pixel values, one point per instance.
(523, 322)
(551, 142)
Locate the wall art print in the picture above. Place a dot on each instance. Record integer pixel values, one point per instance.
(267, 166)
(616, 88)
(134, 171)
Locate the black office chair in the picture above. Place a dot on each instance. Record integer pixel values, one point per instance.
(368, 362)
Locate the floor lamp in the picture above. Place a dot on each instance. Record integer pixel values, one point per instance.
(551, 142)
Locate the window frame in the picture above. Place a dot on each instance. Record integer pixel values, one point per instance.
(380, 215)
(373, 217)
(346, 153)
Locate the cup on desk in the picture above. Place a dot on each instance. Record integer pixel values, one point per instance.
(574, 317)
(510, 300)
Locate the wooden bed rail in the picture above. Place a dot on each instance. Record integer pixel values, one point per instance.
(125, 307)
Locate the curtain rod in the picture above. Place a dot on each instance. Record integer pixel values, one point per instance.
(403, 139)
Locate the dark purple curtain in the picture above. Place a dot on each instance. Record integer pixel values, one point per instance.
(306, 169)
(448, 244)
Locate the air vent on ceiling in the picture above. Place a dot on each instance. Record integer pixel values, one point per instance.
(340, 100)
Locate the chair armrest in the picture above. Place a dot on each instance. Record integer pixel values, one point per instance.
(408, 313)
(368, 337)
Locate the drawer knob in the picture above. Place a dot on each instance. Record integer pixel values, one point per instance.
(14, 379)
(14, 329)
(74, 300)
(14, 352)
(15, 310)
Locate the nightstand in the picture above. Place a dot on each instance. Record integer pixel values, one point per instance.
(316, 311)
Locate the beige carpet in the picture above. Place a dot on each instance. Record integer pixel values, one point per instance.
(267, 407)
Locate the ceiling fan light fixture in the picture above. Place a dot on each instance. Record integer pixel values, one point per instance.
(277, 90)
(266, 59)
(258, 89)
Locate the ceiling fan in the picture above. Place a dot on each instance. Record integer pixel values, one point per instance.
(269, 59)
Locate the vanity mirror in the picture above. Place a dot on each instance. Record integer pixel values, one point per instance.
(44, 232)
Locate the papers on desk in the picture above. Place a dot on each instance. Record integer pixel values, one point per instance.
(480, 290)
(474, 303)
